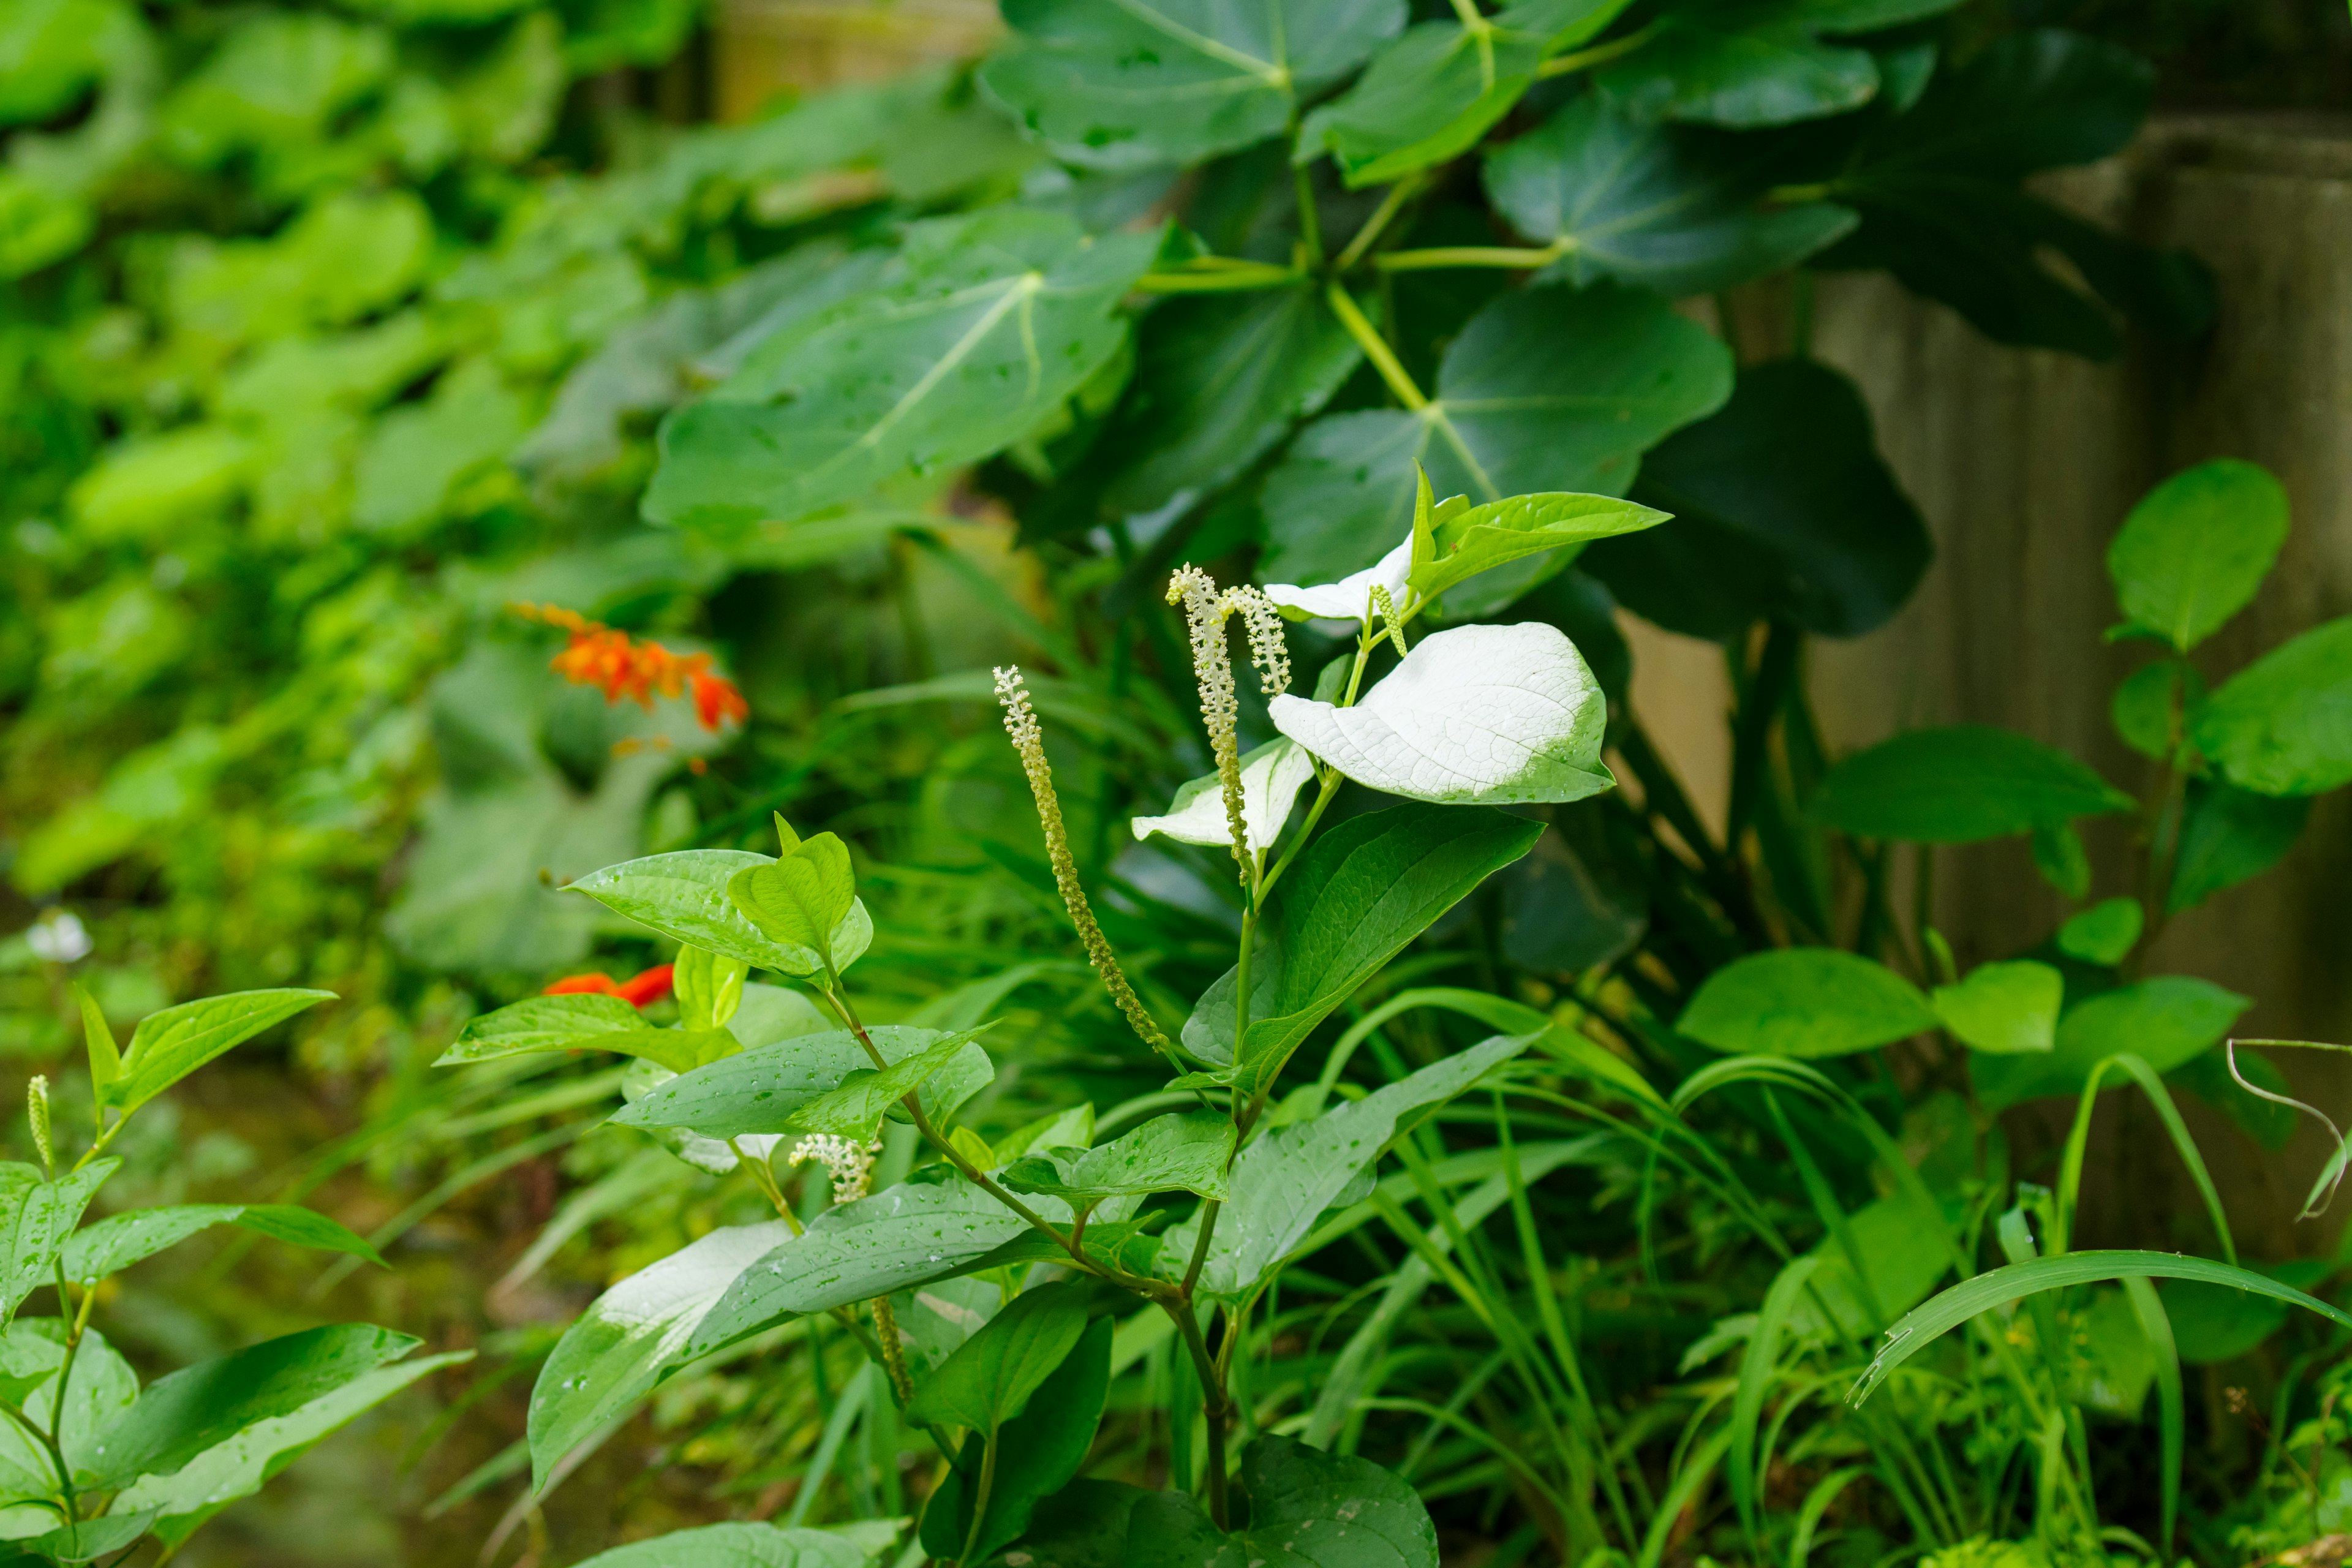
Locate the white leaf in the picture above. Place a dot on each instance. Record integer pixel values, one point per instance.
(1350, 598)
(1478, 715)
(1272, 776)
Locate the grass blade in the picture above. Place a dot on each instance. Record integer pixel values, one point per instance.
(2171, 1413)
(2070, 1179)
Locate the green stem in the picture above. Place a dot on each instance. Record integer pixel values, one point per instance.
(1310, 221)
(1375, 347)
(1599, 54)
(1221, 280)
(1374, 227)
(1213, 1403)
(1472, 256)
(979, 1499)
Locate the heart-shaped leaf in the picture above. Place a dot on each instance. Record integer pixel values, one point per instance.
(2196, 548)
(2009, 1008)
(798, 900)
(989, 1379)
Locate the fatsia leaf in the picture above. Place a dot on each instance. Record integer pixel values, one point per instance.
(1657, 207)
(1272, 776)
(856, 1109)
(684, 896)
(1357, 895)
(1037, 1453)
(1306, 1506)
(1757, 62)
(118, 1241)
(796, 899)
(1183, 1150)
(1484, 537)
(180, 1415)
(2283, 725)
(1803, 1002)
(2166, 1021)
(989, 1379)
(762, 1089)
(1285, 1179)
(1174, 81)
(1959, 784)
(1476, 715)
(2009, 1008)
(36, 1218)
(634, 1335)
(168, 1045)
(736, 1546)
(1000, 317)
(2195, 549)
(1545, 389)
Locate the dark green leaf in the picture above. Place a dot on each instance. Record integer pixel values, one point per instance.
(1782, 508)
(1178, 80)
(2196, 548)
(2207, 1077)
(684, 896)
(856, 1109)
(168, 1045)
(2009, 1009)
(1804, 1002)
(2228, 834)
(2152, 705)
(1959, 784)
(1546, 389)
(180, 1415)
(118, 1241)
(1756, 62)
(989, 1379)
(1580, 898)
(1307, 1507)
(36, 1218)
(1657, 206)
(762, 1089)
(1084, 1525)
(2164, 1021)
(736, 1546)
(2214, 1323)
(1183, 1150)
(1037, 1453)
(2283, 725)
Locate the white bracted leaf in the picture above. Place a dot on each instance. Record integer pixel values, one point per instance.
(1478, 715)
(1350, 598)
(1272, 776)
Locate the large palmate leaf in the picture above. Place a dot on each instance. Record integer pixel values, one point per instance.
(181, 1415)
(118, 1241)
(1183, 1150)
(1803, 1002)
(1476, 715)
(1306, 1506)
(2166, 1021)
(2195, 549)
(2283, 725)
(633, 1335)
(1959, 784)
(1545, 389)
(168, 1045)
(1272, 776)
(1219, 379)
(36, 1218)
(684, 896)
(1941, 208)
(989, 1379)
(736, 1546)
(1357, 894)
(1428, 97)
(1757, 62)
(999, 318)
(1283, 1181)
(1037, 1453)
(1783, 509)
(763, 1089)
(1658, 207)
(1174, 81)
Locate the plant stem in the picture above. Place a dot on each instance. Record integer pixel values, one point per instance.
(1310, 221)
(1472, 256)
(1598, 55)
(1375, 226)
(1212, 1401)
(1375, 347)
(1220, 280)
(979, 1499)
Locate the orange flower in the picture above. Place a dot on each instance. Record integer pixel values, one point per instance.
(621, 667)
(638, 991)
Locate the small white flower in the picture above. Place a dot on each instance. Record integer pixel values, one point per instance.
(1350, 598)
(59, 938)
(850, 1163)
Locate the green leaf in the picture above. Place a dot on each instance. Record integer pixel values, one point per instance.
(1959, 784)
(1546, 389)
(2103, 933)
(853, 1252)
(168, 1045)
(634, 1335)
(1756, 62)
(856, 1109)
(1920, 1329)
(1901, 1240)
(1652, 205)
(1356, 896)
(2228, 834)
(2196, 548)
(583, 1021)
(997, 319)
(2061, 859)
(118, 1241)
(2147, 702)
(1283, 1181)
(708, 988)
(989, 1379)
(1482, 715)
(1176, 82)
(2008, 1009)
(736, 1546)
(684, 896)
(2283, 725)
(1306, 1506)
(1272, 776)
(101, 1388)
(2164, 1021)
(180, 1415)
(1803, 1002)
(1183, 1150)
(1783, 510)
(795, 901)
(765, 1088)
(1219, 379)
(105, 1059)
(36, 1218)
(1483, 537)
(1037, 1453)
(88, 1540)
(245, 1463)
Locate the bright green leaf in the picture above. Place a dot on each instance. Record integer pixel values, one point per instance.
(36, 1218)
(1484, 537)
(1037, 1453)
(684, 896)
(1183, 1150)
(795, 901)
(105, 1059)
(2228, 834)
(763, 1089)
(2103, 933)
(2195, 549)
(989, 1379)
(118, 1241)
(736, 1546)
(856, 1109)
(1959, 784)
(168, 1045)
(2153, 703)
(708, 988)
(1804, 1002)
(2283, 725)
(2009, 1008)
(2166, 1021)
